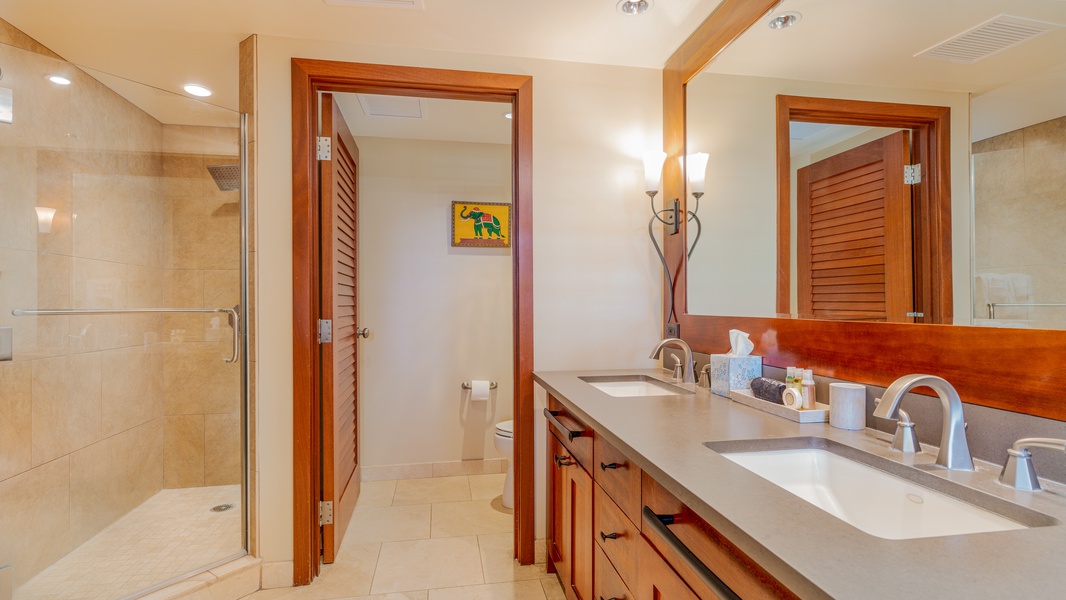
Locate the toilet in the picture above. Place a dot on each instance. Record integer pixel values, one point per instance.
(504, 441)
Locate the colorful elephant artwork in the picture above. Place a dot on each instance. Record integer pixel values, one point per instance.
(485, 225)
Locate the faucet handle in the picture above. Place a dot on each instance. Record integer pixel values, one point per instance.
(906, 440)
(1018, 472)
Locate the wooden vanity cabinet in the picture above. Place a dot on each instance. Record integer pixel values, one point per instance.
(570, 499)
(599, 543)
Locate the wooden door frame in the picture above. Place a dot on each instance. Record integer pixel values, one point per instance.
(932, 144)
(309, 77)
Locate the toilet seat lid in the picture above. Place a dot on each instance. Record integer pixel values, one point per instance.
(505, 428)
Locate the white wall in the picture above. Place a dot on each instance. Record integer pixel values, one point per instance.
(732, 118)
(438, 315)
(596, 280)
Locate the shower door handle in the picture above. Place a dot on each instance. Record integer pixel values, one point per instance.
(363, 333)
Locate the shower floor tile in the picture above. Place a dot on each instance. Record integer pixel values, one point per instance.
(170, 534)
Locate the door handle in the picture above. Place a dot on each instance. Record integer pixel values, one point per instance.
(363, 333)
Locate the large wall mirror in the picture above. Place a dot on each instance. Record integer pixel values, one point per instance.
(1004, 229)
(1004, 86)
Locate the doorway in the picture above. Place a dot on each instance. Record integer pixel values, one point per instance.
(310, 77)
(931, 195)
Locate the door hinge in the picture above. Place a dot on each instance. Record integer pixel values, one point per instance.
(325, 148)
(916, 315)
(325, 513)
(325, 331)
(912, 174)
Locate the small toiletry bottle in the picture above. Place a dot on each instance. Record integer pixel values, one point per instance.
(808, 389)
(790, 376)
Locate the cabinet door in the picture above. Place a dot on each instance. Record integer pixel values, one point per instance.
(556, 485)
(656, 580)
(577, 532)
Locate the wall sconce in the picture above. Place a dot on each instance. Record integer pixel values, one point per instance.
(671, 217)
(44, 218)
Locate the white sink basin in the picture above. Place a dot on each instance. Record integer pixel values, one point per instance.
(628, 386)
(880, 503)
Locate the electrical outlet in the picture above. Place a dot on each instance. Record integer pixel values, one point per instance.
(673, 330)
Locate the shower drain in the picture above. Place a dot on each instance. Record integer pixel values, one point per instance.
(221, 507)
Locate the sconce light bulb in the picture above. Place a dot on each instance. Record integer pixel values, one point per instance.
(697, 172)
(653, 170)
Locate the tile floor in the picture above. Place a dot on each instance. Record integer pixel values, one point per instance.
(170, 534)
(445, 538)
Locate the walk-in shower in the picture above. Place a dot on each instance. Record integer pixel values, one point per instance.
(123, 404)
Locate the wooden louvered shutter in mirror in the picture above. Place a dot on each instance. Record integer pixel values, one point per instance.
(854, 234)
(339, 228)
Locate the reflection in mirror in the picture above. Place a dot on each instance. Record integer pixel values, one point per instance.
(1003, 247)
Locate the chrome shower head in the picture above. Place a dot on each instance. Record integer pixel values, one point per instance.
(227, 177)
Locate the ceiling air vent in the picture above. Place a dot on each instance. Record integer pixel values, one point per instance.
(404, 107)
(990, 38)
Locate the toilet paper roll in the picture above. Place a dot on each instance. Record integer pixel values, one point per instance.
(479, 389)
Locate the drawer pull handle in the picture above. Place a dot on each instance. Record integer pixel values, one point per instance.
(604, 467)
(563, 461)
(570, 435)
(658, 524)
(608, 536)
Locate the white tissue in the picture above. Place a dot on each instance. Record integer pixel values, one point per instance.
(479, 389)
(739, 344)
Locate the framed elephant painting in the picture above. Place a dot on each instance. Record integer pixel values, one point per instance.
(481, 225)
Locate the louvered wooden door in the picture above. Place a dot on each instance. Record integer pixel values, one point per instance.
(854, 234)
(339, 226)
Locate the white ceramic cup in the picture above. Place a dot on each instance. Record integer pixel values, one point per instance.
(847, 406)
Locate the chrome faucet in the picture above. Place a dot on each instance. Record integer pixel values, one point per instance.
(680, 344)
(1018, 471)
(954, 452)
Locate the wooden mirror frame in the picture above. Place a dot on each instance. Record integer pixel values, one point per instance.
(1011, 369)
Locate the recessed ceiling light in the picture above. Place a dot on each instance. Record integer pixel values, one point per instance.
(507, 115)
(634, 7)
(59, 80)
(784, 20)
(197, 90)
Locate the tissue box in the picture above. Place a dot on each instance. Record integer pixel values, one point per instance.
(733, 372)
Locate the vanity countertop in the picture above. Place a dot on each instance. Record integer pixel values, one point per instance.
(811, 552)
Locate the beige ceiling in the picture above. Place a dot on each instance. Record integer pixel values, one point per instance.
(168, 44)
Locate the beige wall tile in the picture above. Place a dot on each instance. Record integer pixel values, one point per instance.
(144, 462)
(99, 487)
(1046, 133)
(183, 288)
(196, 380)
(1045, 168)
(35, 538)
(222, 288)
(66, 405)
(183, 175)
(183, 451)
(998, 175)
(130, 395)
(222, 449)
(19, 290)
(201, 234)
(16, 410)
(114, 219)
(18, 228)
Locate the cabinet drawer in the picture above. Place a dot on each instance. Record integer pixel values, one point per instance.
(736, 570)
(574, 435)
(608, 585)
(657, 580)
(616, 535)
(619, 477)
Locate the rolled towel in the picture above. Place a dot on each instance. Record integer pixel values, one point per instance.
(768, 389)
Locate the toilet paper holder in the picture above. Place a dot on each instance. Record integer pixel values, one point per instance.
(468, 386)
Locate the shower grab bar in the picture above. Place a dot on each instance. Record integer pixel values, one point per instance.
(992, 306)
(234, 317)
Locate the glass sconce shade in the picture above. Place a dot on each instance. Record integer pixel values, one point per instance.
(44, 218)
(653, 170)
(697, 172)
